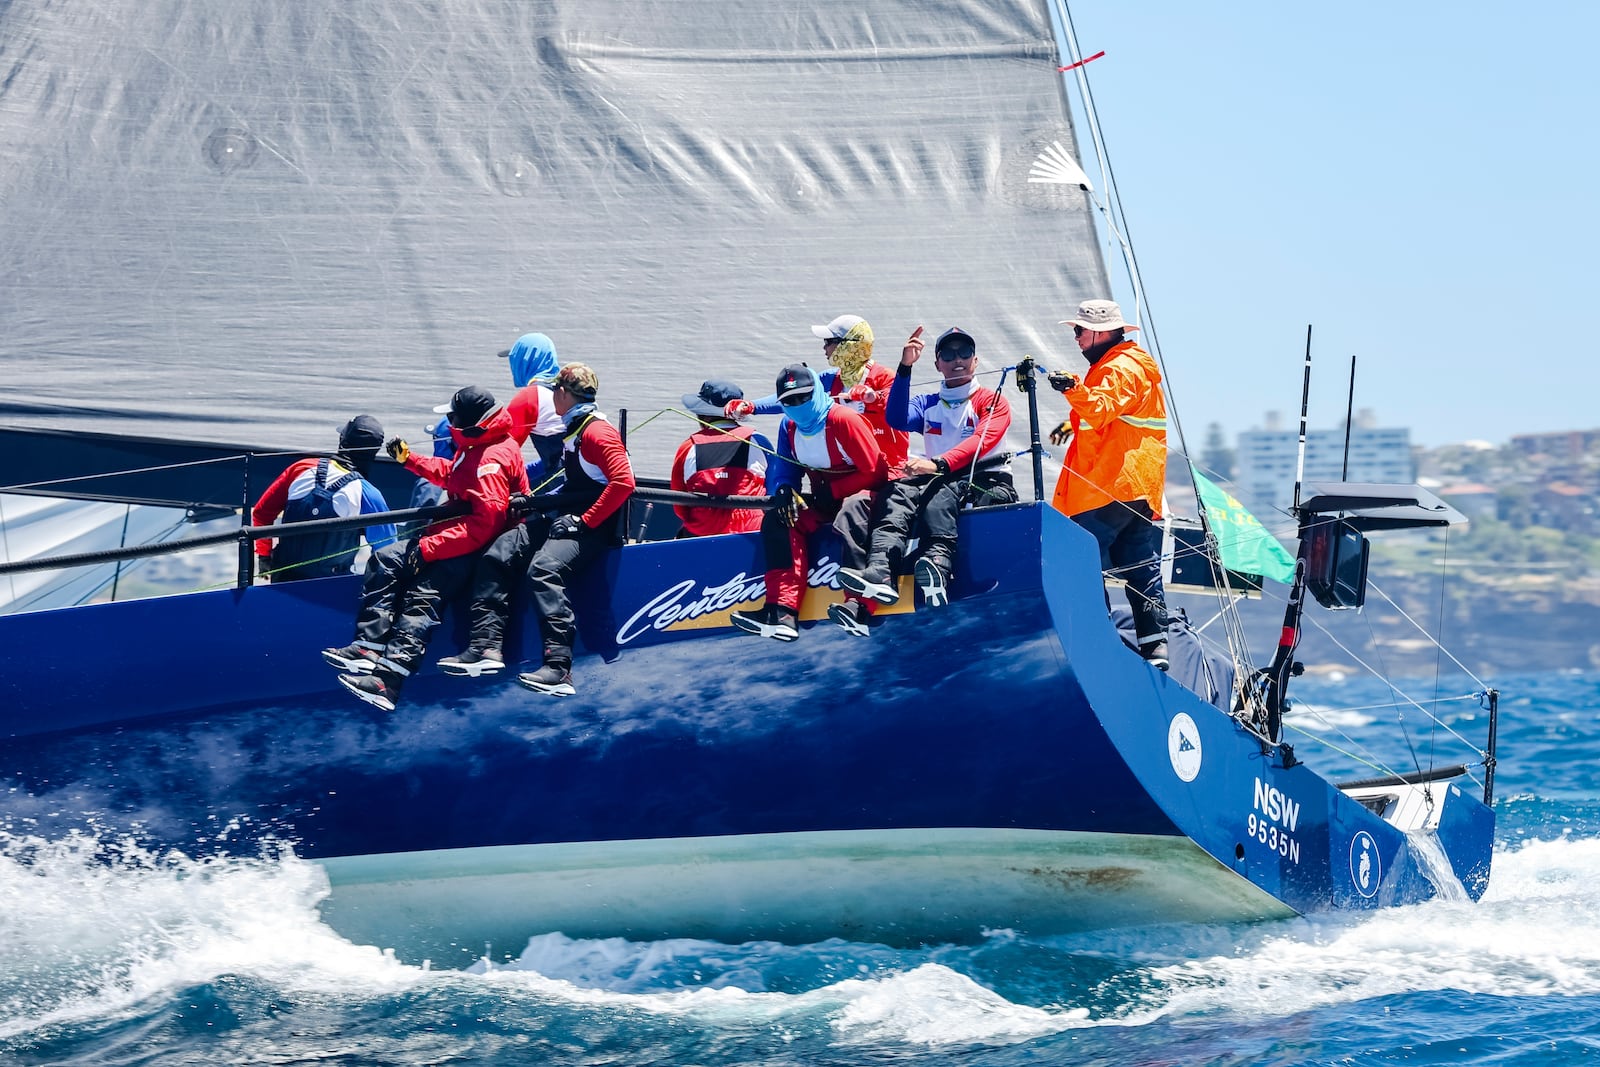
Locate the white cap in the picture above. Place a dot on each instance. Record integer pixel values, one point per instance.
(839, 328)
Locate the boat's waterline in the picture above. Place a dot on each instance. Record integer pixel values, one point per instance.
(897, 887)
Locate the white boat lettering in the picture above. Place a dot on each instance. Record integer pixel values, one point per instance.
(1276, 805)
(1276, 840)
(665, 609)
(824, 573)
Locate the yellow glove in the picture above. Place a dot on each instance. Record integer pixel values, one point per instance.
(1059, 435)
(398, 449)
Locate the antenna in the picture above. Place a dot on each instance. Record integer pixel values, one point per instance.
(1349, 412)
(1305, 406)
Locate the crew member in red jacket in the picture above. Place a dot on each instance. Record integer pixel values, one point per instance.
(721, 458)
(574, 528)
(855, 382)
(407, 584)
(834, 448)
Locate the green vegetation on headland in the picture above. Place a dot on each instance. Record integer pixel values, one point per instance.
(1517, 589)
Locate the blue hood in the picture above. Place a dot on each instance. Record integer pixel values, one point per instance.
(532, 358)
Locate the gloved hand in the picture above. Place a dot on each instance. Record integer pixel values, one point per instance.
(563, 527)
(521, 503)
(790, 503)
(410, 564)
(863, 393)
(1059, 435)
(398, 449)
(738, 409)
(1061, 381)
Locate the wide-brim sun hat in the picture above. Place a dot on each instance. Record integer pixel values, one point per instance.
(712, 399)
(1102, 316)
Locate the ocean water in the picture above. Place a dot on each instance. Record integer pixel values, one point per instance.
(161, 959)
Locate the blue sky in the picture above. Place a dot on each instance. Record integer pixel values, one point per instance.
(1414, 180)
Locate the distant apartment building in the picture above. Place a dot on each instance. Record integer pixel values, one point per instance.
(1264, 478)
(1564, 445)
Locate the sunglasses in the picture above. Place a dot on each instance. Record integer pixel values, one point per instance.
(951, 353)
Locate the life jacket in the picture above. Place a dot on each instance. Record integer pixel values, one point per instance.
(584, 482)
(317, 555)
(723, 462)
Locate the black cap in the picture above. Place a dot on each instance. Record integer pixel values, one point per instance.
(796, 384)
(361, 432)
(468, 407)
(955, 335)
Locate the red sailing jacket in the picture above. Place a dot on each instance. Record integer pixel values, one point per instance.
(485, 471)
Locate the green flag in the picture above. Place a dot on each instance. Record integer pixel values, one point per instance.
(1245, 545)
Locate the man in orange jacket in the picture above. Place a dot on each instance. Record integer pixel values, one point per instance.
(1116, 466)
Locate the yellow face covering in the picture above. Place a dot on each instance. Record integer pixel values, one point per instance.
(851, 355)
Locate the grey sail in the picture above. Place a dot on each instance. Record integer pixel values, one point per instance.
(247, 221)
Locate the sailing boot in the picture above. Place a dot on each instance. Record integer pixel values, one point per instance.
(772, 621)
(555, 677)
(933, 579)
(871, 584)
(474, 662)
(852, 616)
(1155, 654)
(354, 658)
(380, 688)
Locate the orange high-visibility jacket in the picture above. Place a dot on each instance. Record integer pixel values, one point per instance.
(1119, 434)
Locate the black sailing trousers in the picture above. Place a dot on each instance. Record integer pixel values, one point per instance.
(550, 565)
(401, 605)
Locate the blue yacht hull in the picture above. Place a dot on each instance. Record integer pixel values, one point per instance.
(1003, 761)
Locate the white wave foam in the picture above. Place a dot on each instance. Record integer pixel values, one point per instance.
(933, 1005)
(93, 940)
(927, 1004)
(94, 928)
(1536, 933)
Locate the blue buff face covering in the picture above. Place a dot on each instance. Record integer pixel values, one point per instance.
(575, 413)
(810, 417)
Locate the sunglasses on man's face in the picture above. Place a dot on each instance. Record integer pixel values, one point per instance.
(953, 353)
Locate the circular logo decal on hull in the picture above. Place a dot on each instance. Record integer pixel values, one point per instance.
(1366, 867)
(1183, 747)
